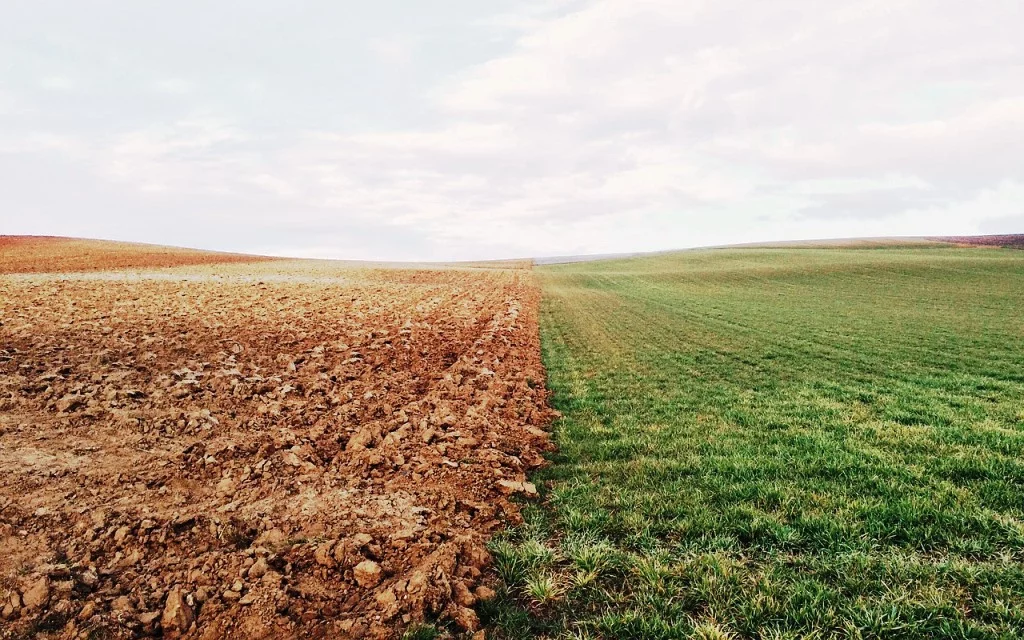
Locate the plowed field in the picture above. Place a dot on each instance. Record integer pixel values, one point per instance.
(40, 254)
(266, 449)
(1004, 241)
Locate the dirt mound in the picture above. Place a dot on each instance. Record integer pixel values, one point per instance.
(265, 450)
(39, 254)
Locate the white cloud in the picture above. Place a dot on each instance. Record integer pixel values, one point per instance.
(173, 86)
(393, 50)
(58, 83)
(603, 125)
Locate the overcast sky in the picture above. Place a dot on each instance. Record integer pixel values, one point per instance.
(464, 129)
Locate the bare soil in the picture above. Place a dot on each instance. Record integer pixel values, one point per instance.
(1004, 241)
(260, 450)
(41, 254)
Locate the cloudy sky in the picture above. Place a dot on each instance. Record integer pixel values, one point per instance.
(462, 129)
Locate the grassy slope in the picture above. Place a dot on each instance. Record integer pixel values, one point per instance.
(780, 443)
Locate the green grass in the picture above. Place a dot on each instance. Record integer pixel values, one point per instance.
(421, 632)
(779, 443)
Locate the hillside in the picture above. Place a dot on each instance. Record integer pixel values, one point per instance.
(47, 254)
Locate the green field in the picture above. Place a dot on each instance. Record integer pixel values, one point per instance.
(779, 443)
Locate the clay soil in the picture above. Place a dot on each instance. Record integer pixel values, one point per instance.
(260, 449)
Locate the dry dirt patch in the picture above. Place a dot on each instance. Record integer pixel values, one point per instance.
(270, 449)
(47, 254)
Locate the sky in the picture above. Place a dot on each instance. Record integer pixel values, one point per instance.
(461, 129)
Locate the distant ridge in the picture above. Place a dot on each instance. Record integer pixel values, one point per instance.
(1006, 241)
(1011, 241)
(36, 254)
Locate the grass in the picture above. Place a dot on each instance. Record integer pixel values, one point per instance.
(778, 443)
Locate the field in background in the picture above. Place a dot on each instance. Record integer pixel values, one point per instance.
(256, 449)
(779, 443)
(49, 254)
(42, 254)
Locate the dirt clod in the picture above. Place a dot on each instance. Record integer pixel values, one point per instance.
(367, 573)
(177, 616)
(37, 595)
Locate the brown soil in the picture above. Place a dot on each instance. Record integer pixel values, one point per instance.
(41, 254)
(1005, 241)
(260, 450)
